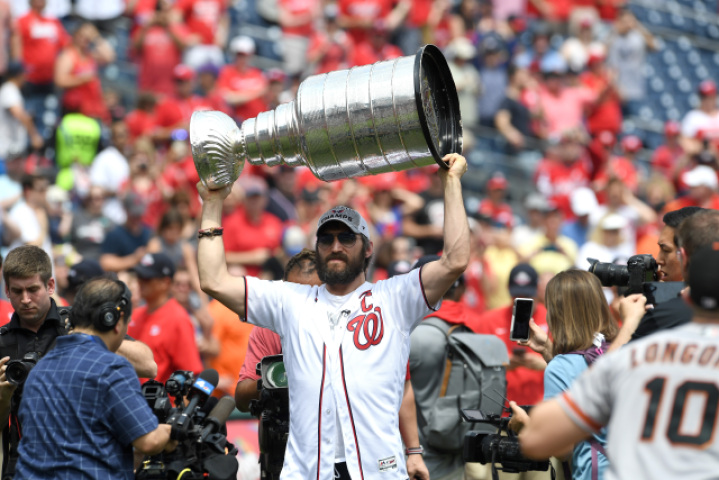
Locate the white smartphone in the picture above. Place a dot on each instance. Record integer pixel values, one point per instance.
(521, 315)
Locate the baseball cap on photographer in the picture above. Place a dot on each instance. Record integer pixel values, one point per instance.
(347, 216)
(523, 281)
(155, 265)
(704, 278)
(83, 271)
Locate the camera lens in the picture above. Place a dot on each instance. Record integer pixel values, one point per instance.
(610, 274)
(17, 372)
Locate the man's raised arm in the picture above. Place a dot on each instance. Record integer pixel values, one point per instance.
(215, 280)
(438, 276)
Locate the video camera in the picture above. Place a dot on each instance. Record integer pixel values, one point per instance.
(496, 448)
(639, 275)
(203, 451)
(273, 411)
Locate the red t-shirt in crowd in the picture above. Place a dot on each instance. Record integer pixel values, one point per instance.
(365, 54)
(139, 123)
(339, 54)
(501, 213)
(557, 180)
(202, 17)
(688, 201)
(42, 40)
(621, 168)
(86, 98)
(252, 80)
(607, 115)
(176, 112)
(262, 343)
(169, 333)
(6, 312)
(664, 159)
(242, 236)
(158, 55)
(524, 386)
(142, 12)
(564, 111)
(183, 176)
(366, 10)
(297, 8)
(560, 9)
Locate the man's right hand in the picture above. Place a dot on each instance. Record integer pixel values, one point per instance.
(6, 388)
(208, 195)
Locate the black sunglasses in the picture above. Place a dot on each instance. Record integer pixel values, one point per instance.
(347, 239)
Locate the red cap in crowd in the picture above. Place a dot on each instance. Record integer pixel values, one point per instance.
(183, 72)
(631, 144)
(671, 128)
(707, 87)
(497, 182)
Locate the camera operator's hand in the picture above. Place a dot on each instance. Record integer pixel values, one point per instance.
(519, 419)
(6, 388)
(632, 310)
(171, 446)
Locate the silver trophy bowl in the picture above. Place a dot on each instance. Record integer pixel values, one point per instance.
(389, 116)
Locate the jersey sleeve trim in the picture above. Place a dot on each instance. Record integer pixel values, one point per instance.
(584, 421)
(424, 295)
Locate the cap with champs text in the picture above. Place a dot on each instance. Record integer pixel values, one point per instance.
(704, 278)
(347, 216)
(155, 265)
(523, 281)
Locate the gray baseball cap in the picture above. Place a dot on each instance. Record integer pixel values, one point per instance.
(346, 215)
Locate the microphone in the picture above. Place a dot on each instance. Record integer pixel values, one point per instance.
(198, 395)
(217, 417)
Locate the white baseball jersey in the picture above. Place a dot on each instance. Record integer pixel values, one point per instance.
(356, 376)
(660, 399)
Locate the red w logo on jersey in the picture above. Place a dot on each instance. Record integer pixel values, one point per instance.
(368, 328)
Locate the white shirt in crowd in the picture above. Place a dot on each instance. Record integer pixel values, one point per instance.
(13, 135)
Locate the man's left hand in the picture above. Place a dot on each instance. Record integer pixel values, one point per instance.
(416, 469)
(457, 166)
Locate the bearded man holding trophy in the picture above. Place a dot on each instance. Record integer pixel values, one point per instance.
(345, 342)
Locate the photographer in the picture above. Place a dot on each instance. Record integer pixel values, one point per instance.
(33, 328)
(636, 322)
(346, 342)
(102, 412)
(581, 325)
(642, 391)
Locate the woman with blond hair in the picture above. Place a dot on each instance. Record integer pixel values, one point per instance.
(581, 328)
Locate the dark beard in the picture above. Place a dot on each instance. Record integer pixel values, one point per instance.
(353, 268)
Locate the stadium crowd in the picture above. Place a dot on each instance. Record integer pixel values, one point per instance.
(103, 185)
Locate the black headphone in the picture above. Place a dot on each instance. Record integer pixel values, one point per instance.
(108, 314)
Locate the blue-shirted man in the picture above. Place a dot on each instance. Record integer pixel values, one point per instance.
(82, 409)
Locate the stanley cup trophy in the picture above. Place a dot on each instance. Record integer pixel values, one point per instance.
(389, 116)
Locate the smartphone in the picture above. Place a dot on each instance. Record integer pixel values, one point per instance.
(472, 415)
(521, 314)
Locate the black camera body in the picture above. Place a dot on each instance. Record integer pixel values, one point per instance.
(203, 451)
(638, 270)
(273, 412)
(18, 370)
(493, 448)
(639, 275)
